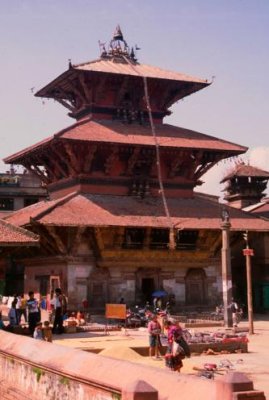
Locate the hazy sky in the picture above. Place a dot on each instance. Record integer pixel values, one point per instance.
(227, 39)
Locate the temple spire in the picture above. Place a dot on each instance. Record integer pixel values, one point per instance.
(118, 34)
(118, 48)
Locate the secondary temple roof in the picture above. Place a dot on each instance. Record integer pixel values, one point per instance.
(199, 212)
(11, 235)
(244, 170)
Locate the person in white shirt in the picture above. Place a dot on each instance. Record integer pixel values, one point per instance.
(58, 305)
(33, 312)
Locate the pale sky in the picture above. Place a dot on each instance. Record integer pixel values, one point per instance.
(227, 39)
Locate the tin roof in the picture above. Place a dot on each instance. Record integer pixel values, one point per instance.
(199, 212)
(11, 235)
(134, 134)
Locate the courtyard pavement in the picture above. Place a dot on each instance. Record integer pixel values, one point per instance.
(121, 345)
(255, 363)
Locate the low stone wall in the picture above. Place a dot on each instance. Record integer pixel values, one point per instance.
(37, 370)
(231, 347)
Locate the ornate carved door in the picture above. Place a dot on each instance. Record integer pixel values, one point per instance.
(195, 286)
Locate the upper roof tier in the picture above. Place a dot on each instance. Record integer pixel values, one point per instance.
(117, 81)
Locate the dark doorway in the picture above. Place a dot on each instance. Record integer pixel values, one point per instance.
(147, 288)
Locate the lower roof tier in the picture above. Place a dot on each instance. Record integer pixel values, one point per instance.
(85, 210)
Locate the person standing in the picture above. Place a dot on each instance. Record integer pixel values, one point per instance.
(155, 304)
(234, 309)
(21, 308)
(33, 312)
(175, 352)
(12, 315)
(59, 308)
(154, 330)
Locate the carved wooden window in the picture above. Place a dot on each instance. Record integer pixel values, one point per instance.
(187, 239)
(133, 238)
(159, 239)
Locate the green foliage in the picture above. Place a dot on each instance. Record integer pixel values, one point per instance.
(64, 380)
(116, 396)
(39, 372)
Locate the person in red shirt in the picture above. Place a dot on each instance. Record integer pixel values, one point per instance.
(154, 330)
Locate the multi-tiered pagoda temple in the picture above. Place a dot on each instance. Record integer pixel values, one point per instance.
(123, 219)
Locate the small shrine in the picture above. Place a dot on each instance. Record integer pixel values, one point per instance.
(245, 185)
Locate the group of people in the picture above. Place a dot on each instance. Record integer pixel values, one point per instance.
(30, 310)
(177, 347)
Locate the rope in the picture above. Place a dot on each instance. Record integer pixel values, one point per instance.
(158, 159)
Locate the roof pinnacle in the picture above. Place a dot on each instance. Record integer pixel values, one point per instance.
(117, 48)
(118, 34)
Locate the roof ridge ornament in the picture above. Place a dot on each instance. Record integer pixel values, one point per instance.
(118, 48)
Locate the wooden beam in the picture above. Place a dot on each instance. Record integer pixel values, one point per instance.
(46, 241)
(195, 160)
(204, 168)
(121, 91)
(72, 166)
(177, 94)
(76, 240)
(175, 164)
(58, 240)
(63, 154)
(89, 156)
(50, 173)
(78, 93)
(65, 104)
(55, 158)
(87, 91)
(111, 159)
(99, 239)
(132, 160)
(36, 171)
(99, 89)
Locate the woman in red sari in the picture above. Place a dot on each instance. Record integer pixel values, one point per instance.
(173, 356)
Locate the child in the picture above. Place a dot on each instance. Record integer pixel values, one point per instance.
(80, 318)
(38, 331)
(47, 332)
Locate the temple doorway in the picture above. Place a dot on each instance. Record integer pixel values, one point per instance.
(147, 288)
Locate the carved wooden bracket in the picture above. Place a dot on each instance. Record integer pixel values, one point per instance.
(58, 240)
(111, 159)
(132, 160)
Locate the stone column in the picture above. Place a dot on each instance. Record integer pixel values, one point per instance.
(226, 272)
